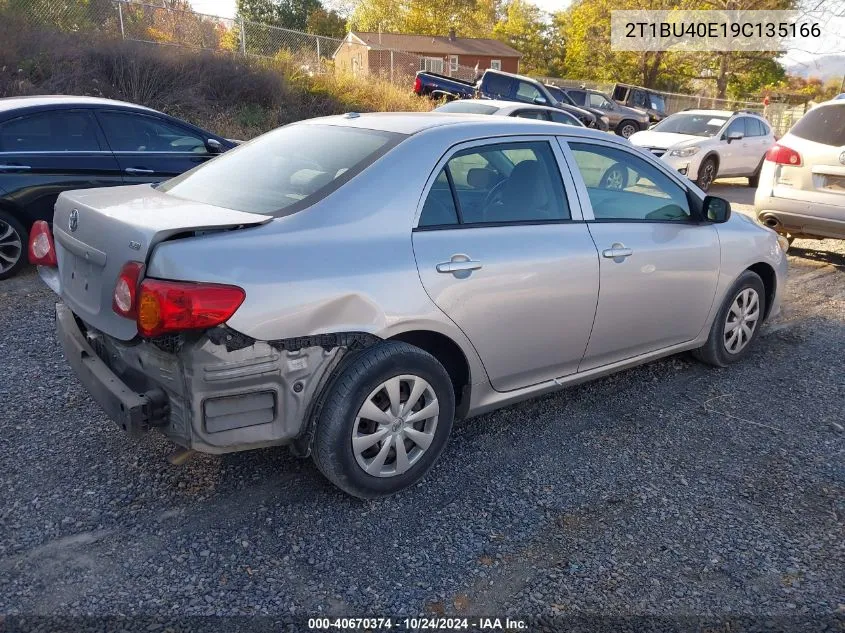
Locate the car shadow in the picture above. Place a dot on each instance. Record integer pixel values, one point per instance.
(824, 257)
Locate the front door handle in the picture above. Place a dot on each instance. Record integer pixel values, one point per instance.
(458, 266)
(14, 167)
(618, 252)
(137, 170)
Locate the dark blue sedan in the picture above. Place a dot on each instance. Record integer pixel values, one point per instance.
(50, 144)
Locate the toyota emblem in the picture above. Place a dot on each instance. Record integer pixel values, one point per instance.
(842, 158)
(73, 220)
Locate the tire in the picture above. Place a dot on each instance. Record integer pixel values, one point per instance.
(716, 350)
(754, 179)
(13, 245)
(615, 178)
(626, 128)
(706, 174)
(360, 386)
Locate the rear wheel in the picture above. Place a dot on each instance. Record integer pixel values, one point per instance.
(626, 128)
(13, 243)
(384, 421)
(706, 174)
(737, 324)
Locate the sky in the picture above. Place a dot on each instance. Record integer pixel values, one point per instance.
(226, 8)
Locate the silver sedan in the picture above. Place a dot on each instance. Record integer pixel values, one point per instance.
(352, 285)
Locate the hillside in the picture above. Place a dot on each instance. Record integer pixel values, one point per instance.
(235, 96)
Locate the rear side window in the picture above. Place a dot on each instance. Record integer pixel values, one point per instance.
(497, 85)
(578, 96)
(54, 131)
(538, 115)
(285, 170)
(753, 127)
(822, 124)
(498, 184)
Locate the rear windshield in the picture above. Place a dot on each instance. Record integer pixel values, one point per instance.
(825, 124)
(285, 170)
(467, 107)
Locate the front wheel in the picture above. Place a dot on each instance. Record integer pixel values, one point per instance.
(627, 128)
(706, 174)
(737, 324)
(385, 420)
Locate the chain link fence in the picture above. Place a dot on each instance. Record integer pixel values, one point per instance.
(164, 25)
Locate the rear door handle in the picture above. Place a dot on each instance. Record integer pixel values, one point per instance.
(14, 167)
(458, 266)
(617, 251)
(137, 170)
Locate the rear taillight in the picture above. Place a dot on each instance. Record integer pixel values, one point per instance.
(417, 85)
(42, 249)
(125, 297)
(783, 155)
(172, 306)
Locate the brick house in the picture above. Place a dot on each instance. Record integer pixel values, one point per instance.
(393, 54)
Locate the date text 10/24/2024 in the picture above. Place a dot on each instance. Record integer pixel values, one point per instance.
(417, 624)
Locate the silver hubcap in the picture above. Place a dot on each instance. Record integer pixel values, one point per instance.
(627, 131)
(11, 247)
(614, 180)
(742, 320)
(395, 426)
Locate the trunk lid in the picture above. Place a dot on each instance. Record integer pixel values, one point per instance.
(98, 230)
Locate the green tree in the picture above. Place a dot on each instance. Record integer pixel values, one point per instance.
(525, 28)
(326, 22)
(289, 14)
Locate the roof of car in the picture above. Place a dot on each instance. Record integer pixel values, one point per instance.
(725, 113)
(414, 122)
(502, 105)
(12, 103)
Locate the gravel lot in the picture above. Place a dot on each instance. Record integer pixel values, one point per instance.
(672, 489)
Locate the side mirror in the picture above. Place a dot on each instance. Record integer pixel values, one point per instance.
(716, 210)
(214, 146)
(540, 100)
(735, 136)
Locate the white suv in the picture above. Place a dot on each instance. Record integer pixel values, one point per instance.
(802, 184)
(706, 144)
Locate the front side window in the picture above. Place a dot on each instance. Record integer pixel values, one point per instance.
(579, 97)
(599, 101)
(737, 126)
(54, 131)
(129, 132)
(285, 170)
(501, 183)
(625, 187)
(526, 92)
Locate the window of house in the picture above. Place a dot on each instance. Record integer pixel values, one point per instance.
(496, 64)
(453, 63)
(432, 64)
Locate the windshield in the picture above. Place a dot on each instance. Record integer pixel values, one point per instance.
(657, 103)
(285, 170)
(692, 124)
(468, 107)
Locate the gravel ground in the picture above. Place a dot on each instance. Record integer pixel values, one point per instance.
(671, 489)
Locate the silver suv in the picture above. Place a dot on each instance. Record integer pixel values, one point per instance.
(352, 285)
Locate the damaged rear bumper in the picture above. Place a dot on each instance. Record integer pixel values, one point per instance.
(214, 392)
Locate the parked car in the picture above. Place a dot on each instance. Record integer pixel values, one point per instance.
(801, 190)
(706, 144)
(56, 143)
(642, 99)
(351, 285)
(509, 108)
(623, 120)
(602, 120)
(501, 86)
(437, 86)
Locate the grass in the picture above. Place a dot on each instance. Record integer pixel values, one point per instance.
(234, 96)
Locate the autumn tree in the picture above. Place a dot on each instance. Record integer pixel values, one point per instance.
(525, 28)
(326, 22)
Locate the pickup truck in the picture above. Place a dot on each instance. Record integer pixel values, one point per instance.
(495, 84)
(437, 86)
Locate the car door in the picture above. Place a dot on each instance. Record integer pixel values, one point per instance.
(49, 151)
(659, 264)
(733, 154)
(759, 142)
(150, 148)
(502, 250)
